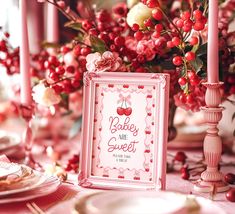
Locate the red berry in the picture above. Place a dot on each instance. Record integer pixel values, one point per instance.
(85, 51)
(64, 49)
(190, 56)
(152, 3)
(77, 50)
(176, 41)
(170, 44)
(157, 14)
(113, 47)
(230, 195)
(186, 15)
(75, 83)
(93, 32)
(198, 26)
(184, 168)
(230, 178)
(180, 156)
(195, 81)
(119, 41)
(53, 60)
(70, 69)
(182, 98)
(104, 36)
(190, 99)
(180, 23)
(191, 74)
(60, 70)
(53, 76)
(103, 16)
(135, 27)
(177, 60)
(148, 23)
(156, 34)
(158, 27)
(141, 59)
(193, 40)
(197, 14)
(182, 81)
(186, 28)
(86, 25)
(6, 34)
(185, 175)
(138, 35)
(160, 43)
(58, 89)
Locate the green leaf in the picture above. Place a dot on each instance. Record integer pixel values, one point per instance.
(167, 65)
(197, 64)
(97, 44)
(64, 101)
(79, 37)
(202, 50)
(74, 25)
(46, 44)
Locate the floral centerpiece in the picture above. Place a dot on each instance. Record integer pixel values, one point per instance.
(134, 36)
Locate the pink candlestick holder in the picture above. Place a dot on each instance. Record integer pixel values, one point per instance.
(212, 178)
(27, 137)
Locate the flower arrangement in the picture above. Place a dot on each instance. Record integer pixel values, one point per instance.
(134, 36)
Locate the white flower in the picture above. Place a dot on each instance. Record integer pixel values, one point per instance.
(69, 59)
(45, 96)
(131, 3)
(138, 14)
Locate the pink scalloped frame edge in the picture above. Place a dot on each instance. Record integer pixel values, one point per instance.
(159, 176)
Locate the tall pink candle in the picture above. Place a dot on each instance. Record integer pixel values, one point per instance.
(213, 43)
(35, 25)
(52, 24)
(25, 83)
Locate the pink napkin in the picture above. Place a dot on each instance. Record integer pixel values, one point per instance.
(4, 158)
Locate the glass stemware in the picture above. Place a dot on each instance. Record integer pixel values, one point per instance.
(27, 137)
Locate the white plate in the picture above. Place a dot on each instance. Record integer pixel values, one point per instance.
(136, 202)
(7, 169)
(8, 140)
(27, 184)
(50, 185)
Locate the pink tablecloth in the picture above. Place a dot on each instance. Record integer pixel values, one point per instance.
(50, 203)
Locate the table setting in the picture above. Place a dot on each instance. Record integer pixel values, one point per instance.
(122, 107)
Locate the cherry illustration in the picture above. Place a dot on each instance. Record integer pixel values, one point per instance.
(128, 111)
(120, 111)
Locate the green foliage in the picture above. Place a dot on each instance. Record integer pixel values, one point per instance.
(64, 101)
(97, 44)
(46, 44)
(74, 25)
(197, 64)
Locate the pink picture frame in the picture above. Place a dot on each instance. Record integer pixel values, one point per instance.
(124, 131)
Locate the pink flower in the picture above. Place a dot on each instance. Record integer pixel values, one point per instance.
(131, 43)
(108, 61)
(146, 48)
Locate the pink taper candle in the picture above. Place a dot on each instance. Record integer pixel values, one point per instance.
(52, 24)
(25, 82)
(213, 43)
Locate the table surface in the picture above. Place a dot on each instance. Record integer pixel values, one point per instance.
(174, 183)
